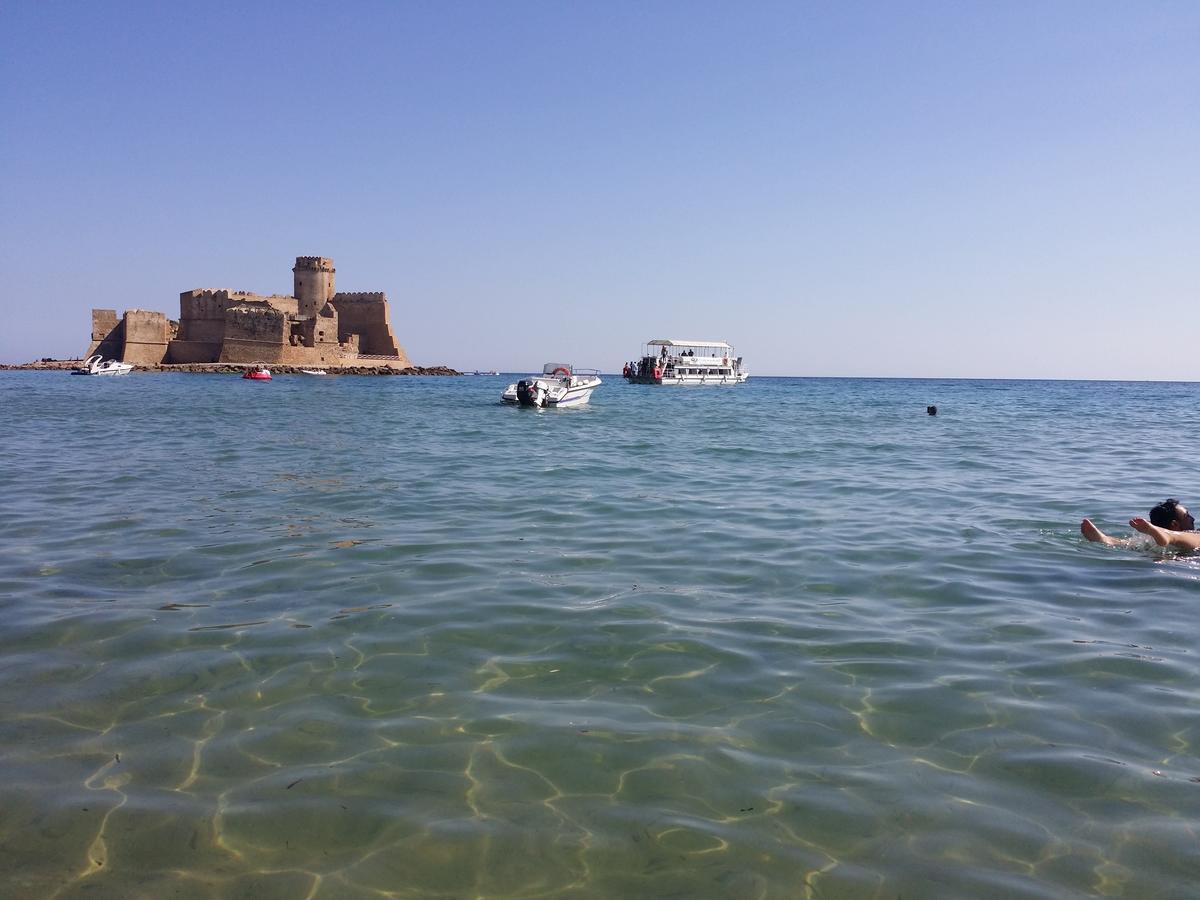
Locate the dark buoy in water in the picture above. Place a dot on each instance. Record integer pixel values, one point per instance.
(932, 410)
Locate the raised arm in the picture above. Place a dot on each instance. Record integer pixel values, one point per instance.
(1092, 533)
(1164, 537)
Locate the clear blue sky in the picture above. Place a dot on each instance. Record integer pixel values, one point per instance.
(963, 189)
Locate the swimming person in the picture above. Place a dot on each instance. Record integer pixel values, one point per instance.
(1171, 525)
(1167, 537)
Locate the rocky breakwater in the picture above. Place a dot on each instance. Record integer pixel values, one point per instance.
(41, 364)
(230, 369)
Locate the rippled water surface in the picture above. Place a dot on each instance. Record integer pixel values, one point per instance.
(366, 637)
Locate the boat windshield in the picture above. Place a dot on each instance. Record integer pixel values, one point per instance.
(556, 369)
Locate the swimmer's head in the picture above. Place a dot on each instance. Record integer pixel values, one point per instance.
(1173, 515)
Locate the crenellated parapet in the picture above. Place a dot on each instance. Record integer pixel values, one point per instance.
(361, 297)
(314, 263)
(236, 296)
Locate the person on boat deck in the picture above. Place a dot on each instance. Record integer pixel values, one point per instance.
(1171, 525)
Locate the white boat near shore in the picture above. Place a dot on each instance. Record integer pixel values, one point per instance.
(560, 384)
(97, 365)
(671, 361)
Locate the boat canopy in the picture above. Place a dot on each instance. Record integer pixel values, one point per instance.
(671, 342)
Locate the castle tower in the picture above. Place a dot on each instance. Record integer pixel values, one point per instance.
(314, 283)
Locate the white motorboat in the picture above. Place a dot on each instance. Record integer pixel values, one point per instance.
(559, 384)
(313, 372)
(670, 361)
(98, 365)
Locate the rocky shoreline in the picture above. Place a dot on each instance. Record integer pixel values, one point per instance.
(231, 369)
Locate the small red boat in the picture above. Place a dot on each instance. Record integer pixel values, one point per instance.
(258, 373)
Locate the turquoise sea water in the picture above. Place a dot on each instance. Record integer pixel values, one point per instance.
(383, 637)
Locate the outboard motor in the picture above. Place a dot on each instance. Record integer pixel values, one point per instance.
(527, 393)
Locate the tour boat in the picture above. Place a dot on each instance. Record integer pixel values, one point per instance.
(670, 361)
(97, 365)
(559, 385)
(257, 373)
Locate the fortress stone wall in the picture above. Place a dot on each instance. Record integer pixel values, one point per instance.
(147, 335)
(365, 315)
(108, 334)
(140, 336)
(313, 327)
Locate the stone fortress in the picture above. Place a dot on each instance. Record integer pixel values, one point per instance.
(316, 327)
